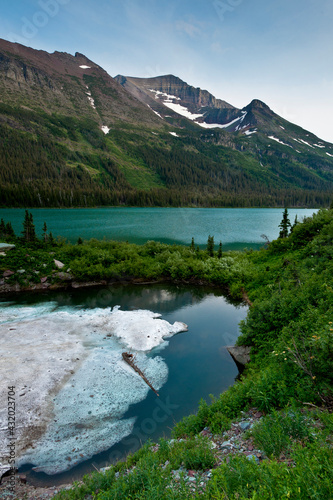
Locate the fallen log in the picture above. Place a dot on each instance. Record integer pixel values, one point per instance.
(130, 360)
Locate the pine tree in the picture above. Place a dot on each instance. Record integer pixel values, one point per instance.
(9, 231)
(294, 225)
(2, 228)
(29, 233)
(210, 246)
(44, 232)
(192, 247)
(284, 225)
(219, 252)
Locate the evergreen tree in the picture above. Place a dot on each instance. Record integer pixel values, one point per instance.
(2, 228)
(284, 225)
(192, 247)
(44, 232)
(219, 252)
(294, 225)
(79, 241)
(9, 231)
(51, 239)
(210, 246)
(29, 233)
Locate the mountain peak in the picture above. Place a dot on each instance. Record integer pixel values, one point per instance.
(257, 104)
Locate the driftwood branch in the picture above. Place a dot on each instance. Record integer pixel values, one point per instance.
(129, 360)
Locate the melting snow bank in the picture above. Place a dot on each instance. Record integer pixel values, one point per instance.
(72, 385)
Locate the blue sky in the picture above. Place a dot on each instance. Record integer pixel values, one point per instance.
(276, 51)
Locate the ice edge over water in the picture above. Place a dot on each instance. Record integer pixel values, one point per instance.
(74, 385)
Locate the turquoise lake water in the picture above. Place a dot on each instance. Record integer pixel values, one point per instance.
(237, 228)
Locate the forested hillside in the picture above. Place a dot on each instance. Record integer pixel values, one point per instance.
(71, 135)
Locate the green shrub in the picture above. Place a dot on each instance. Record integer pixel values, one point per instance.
(275, 433)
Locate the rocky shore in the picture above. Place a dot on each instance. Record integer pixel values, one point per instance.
(236, 440)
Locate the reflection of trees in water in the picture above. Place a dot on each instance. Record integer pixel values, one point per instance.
(163, 298)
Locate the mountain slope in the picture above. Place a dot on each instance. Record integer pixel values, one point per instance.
(71, 135)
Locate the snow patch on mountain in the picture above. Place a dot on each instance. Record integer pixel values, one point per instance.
(250, 132)
(83, 66)
(218, 125)
(158, 94)
(181, 110)
(279, 141)
(241, 119)
(90, 99)
(328, 154)
(304, 142)
(156, 113)
(174, 134)
(105, 129)
(319, 145)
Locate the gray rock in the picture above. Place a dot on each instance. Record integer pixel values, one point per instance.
(245, 425)
(4, 247)
(8, 273)
(240, 354)
(59, 264)
(253, 457)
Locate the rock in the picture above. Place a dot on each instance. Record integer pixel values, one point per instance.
(63, 276)
(104, 469)
(44, 279)
(241, 355)
(245, 425)
(8, 273)
(59, 264)
(21, 271)
(4, 247)
(253, 457)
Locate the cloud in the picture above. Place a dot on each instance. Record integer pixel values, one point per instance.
(217, 48)
(189, 28)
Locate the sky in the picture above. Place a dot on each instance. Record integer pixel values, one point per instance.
(278, 51)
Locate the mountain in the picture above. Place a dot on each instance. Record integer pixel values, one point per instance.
(71, 135)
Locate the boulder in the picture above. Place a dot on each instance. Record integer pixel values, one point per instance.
(59, 264)
(8, 273)
(241, 355)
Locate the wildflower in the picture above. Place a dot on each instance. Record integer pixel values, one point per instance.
(313, 377)
(285, 359)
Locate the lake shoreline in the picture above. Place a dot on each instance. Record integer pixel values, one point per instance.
(73, 284)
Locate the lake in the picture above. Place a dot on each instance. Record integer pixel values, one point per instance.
(237, 228)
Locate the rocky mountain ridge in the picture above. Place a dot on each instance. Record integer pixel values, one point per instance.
(74, 136)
